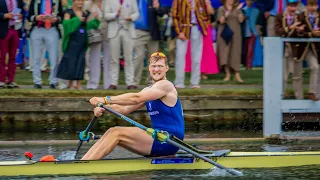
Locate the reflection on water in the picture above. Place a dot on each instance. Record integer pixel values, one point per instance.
(11, 136)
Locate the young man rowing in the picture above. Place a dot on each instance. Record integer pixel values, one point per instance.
(163, 105)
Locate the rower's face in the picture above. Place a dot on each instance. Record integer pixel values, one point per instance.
(158, 69)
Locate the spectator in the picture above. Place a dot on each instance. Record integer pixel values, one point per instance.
(121, 30)
(229, 38)
(45, 17)
(171, 38)
(285, 26)
(190, 29)
(9, 40)
(252, 31)
(75, 26)
(309, 51)
(209, 64)
(264, 7)
(148, 34)
(278, 7)
(95, 50)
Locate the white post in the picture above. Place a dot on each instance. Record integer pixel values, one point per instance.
(272, 85)
(273, 105)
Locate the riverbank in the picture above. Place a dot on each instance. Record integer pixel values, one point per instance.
(41, 114)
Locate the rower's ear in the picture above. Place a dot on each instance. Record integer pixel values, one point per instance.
(167, 68)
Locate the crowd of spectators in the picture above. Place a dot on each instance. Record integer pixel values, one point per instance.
(78, 39)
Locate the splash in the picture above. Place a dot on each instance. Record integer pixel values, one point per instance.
(66, 155)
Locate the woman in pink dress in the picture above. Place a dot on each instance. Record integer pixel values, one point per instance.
(209, 62)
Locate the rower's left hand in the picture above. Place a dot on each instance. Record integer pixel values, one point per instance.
(98, 111)
(95, 100)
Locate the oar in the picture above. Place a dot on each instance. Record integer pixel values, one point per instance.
(166, 138)
(84, 135)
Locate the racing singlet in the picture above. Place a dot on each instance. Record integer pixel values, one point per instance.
(166, 118)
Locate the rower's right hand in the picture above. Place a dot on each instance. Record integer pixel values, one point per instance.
(98, 111)
(95, 100)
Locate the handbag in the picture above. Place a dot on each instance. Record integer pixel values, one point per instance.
(95, 36)
(227, 34)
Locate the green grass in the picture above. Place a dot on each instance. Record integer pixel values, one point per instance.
(251, 77)
(90, 93)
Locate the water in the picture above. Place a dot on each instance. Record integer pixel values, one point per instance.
(293, 173)
(15, 152)
(303, 172)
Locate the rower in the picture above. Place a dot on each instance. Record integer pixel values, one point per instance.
(163, 106)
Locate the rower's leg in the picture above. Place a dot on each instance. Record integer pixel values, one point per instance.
(131, 138)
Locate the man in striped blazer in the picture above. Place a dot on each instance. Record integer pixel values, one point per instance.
(190, 19)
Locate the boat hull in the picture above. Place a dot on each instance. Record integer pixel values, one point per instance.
(232, 160)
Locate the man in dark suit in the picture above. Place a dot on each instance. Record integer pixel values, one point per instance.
(9, 40)
(148, 34)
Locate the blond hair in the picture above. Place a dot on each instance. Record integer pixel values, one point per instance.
(156, 58)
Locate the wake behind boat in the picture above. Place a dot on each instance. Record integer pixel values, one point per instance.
(182, 161)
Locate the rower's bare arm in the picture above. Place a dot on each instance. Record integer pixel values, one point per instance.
(125, 110)
(157, 91)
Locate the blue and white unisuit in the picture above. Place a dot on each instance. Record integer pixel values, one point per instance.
(168, 119)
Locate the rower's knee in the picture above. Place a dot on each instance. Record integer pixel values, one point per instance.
(114, 131)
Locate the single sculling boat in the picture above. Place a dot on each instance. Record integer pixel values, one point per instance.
(188, 157)
(180, 161)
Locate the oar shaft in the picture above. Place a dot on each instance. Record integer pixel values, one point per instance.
(123, 117)
(78, 148)
(86, 131)
(90, 124)
(232, 171)
(168, 140)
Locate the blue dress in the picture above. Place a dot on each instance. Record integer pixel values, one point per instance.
(258, 54)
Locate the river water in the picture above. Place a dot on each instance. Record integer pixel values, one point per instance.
(15, 152)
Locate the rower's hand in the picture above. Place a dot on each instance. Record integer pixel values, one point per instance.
(98, 111)
(95, 100)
